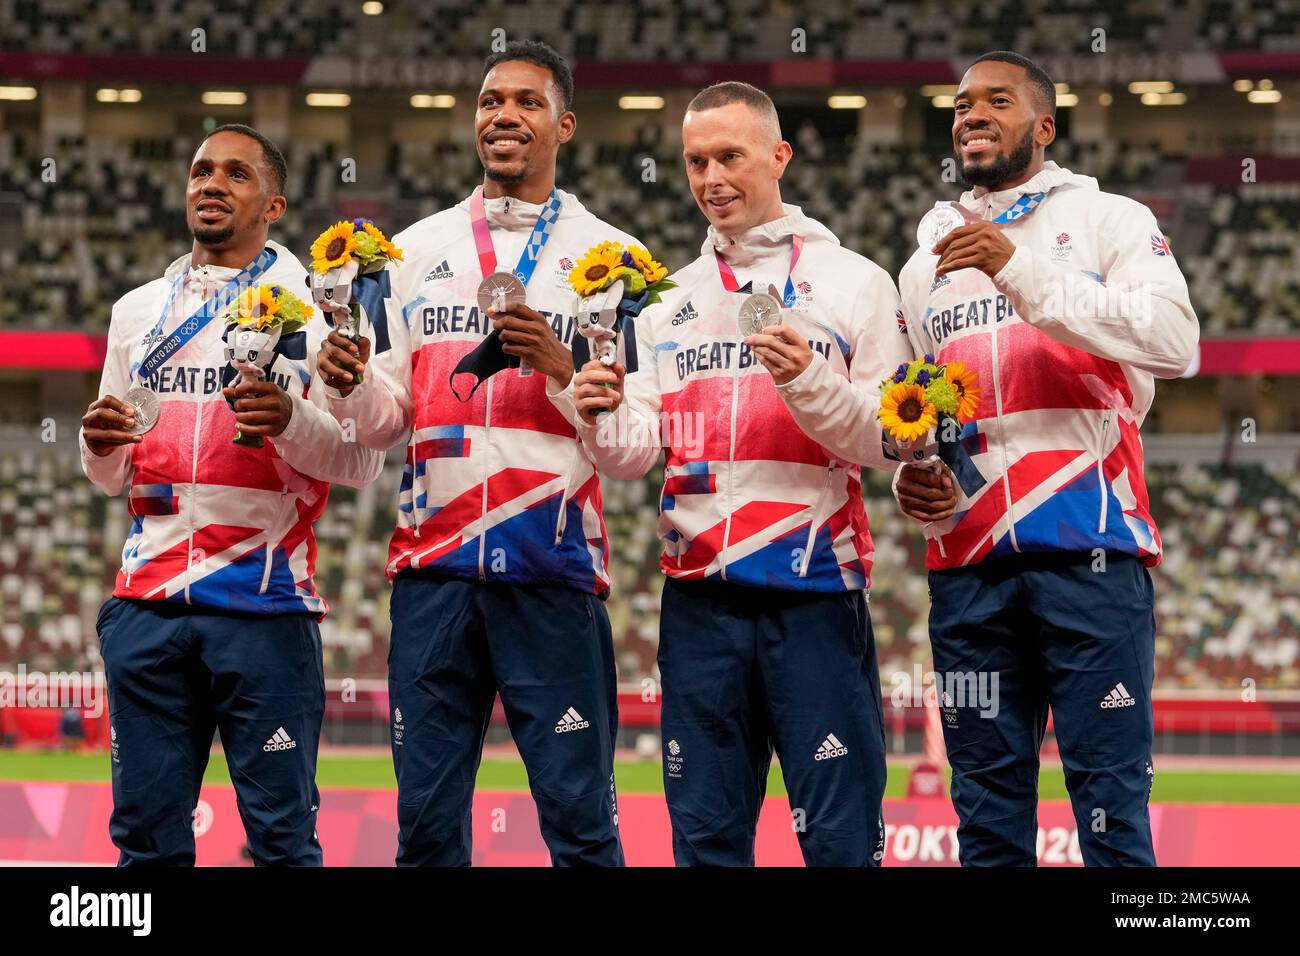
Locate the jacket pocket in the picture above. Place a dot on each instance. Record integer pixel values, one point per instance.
(273, 529)
(562, 519)
(1101, 473)
(817, 518)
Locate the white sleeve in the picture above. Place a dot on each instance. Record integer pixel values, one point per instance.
(1138, 314)
(314, 443)
(911, 306)
(625, 444)
(841, 414)
(913, 296)
(112, 472)
(380, 410)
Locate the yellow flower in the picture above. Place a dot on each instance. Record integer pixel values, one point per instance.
(966, 383)
(386, 247)
(256, 307)
(905, 413)
(333, 247)
(594, 270)
(652, 270)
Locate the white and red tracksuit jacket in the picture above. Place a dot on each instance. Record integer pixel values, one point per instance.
(214, 524)
(1067, 340)
(497, 488)
(762, 482)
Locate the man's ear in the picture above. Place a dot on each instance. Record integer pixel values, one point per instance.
(1045, 135)
(567, 127)
(275, 208)
(781, 156)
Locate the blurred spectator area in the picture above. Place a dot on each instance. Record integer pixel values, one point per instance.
(114, 216)
(693, 30)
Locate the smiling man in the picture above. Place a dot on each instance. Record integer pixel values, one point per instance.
(213, 621)
(1067, 303)
(765, 641)
(499, 558)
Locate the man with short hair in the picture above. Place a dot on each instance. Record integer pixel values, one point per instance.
(498, 561)
(1066, 303)
(765, 640)
(213, 621)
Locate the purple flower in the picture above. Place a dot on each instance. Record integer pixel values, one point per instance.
(628, 260)
(275, 291)
(359, 224)
(923, 378)
(929, 359)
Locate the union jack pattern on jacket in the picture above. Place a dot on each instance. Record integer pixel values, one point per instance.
(496, 488)
(762, 483)
(1066, 340)
(214, 524)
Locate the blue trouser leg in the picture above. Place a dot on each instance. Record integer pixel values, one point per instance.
(268, 695)
(161, 731)
(553, 656)
(717, 746)
(1052, 628)
(978, 630)
(745, 670)
(175, 674)
(1097, 631)
(440, 689)
(818, 662)
(548, 651)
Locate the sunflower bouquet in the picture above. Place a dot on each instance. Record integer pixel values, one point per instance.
(257, 324)
(614, 283)
(604, 264)
(917, 399)
(347, 259)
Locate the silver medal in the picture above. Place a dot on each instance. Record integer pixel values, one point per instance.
(936, 224)
(147, 407)
(757, 312)
(499, 291)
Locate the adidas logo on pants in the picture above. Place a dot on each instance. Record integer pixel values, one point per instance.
(1118, 697)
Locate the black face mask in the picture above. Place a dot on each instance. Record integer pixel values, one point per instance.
(1003, 167)
(486, 360)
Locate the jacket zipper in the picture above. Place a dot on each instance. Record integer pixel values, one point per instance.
(1002, 446)
(816, 520)
(731, 468)
(487, 450)
(194, 499)
(1101, 473)
(194, 471)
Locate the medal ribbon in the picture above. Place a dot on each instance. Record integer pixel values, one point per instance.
(542, 229)
(1022, 207)
(729, 277)
(198, 321)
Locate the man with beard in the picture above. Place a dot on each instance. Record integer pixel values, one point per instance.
(765, 640)
(1066, 303)
(499, 558)
(213, 620)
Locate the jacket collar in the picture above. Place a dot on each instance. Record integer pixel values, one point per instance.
(983, 202)
(765, 240)
(223, 273)
(515, 215)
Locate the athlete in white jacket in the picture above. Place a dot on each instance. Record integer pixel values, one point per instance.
(498, 560)
(212, 622)
(1066, 301)
(765, 641)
